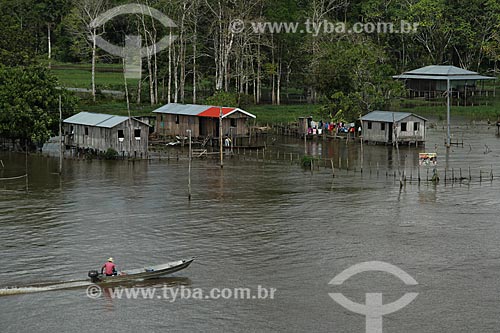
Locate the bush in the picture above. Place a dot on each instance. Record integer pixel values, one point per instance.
(307, 161)
(222, 98)
(110, 154)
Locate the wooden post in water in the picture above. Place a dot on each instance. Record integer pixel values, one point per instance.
(220, 139)
(60, 137)
(26, 164)
(305, 143)
(333, 168)
(361, 139)
(189, 167)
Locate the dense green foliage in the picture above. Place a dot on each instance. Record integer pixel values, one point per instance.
(348, 74)
(29, 103)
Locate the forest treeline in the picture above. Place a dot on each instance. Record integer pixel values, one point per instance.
(348, 72)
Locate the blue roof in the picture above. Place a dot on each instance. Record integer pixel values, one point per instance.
(182, 109)
(436, 72)
(388, 116)
(95, 119)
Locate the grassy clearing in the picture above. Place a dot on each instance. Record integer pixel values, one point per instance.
(276, 114)
(489, 109)
(108, 76)
(117, 108)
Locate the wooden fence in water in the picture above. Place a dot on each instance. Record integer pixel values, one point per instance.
(343, 167)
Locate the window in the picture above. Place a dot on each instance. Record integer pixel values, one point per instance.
(416, 126)
(86, 131)
(233, 122)
(403, 127)
(71, 130)
(177, 119)
(121, 136)
(382, 126)
(369, 125)
(137, 133)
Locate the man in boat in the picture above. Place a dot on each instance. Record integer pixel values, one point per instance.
(109, 268)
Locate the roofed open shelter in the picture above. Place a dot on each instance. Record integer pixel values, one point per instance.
(431, 82)
(449, 81)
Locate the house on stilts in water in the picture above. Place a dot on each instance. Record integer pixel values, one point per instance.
(96, 133)
(387, 127)
(175, 119)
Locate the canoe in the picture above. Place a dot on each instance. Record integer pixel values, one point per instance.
(144, 273)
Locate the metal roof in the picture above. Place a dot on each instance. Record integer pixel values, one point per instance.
(435, 72)
(388, 116)
(95, 119)
(182, 109)
(199, 110)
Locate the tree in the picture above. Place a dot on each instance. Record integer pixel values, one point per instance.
(355, 75)
(29, 103)
(86, 11)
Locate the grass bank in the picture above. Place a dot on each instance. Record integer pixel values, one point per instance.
(107, 76)
(282, 114)
(110, 76)
(116, 108)
(484, 110)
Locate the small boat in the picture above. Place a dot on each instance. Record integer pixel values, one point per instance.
(141, 273)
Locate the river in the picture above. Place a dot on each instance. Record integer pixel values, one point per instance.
(255, 224)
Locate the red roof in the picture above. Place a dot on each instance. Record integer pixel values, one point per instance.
(214, 112)
(207, 111)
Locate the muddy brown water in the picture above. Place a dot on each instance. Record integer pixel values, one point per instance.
(255, 223)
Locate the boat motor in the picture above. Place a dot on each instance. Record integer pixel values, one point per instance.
(94, 276)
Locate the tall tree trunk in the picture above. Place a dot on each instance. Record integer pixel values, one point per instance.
(278, 99)
(169, 87)
(126, 87)
(259, 66)
(273, 73)
(139, 91)
(148, 37)
(176, 77)
(194, 59)
(182, 78)
(182, 53)
(93, 63)
(155, 74)
(49, 44)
